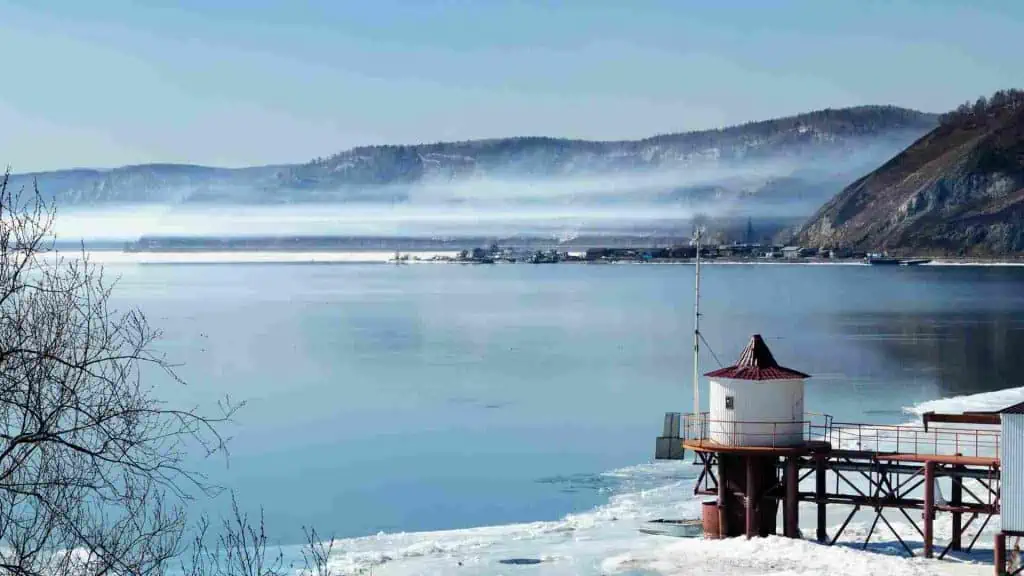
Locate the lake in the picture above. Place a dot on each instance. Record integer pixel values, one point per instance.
(436, 397)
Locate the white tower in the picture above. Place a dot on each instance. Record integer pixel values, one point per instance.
(756, 402)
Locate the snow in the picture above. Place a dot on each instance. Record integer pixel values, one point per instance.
(972, 263)
(774, 556)
(605, 540)
(986, 401)
(258, 257)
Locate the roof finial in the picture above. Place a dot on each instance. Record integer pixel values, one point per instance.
(756, 362)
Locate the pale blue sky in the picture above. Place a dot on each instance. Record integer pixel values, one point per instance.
(110, 82)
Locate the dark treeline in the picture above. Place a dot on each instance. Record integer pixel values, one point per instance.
(529, 152)
(1000, 101)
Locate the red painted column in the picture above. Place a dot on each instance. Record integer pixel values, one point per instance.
(1000, 554)
(819, 494)
(929, 506)
(751, 486)
(723, 499)
(956, 498)
(792, 514)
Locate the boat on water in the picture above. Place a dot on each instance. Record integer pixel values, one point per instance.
(675, 528)
(881, 260)
(914, 261)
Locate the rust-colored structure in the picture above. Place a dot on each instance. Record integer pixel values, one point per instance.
(861, 467)
(875, 479)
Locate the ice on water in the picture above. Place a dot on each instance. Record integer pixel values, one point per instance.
(605, 540)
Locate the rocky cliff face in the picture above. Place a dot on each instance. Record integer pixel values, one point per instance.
(958, 191)
(810, 155)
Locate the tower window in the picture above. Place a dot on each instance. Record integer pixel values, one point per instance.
(729, 401)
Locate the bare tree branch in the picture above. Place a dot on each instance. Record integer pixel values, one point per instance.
(93, 478)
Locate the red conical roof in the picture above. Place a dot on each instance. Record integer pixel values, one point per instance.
(757, 363)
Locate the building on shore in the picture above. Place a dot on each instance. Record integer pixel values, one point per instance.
(760, 453)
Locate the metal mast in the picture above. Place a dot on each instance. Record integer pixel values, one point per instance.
(696, 331)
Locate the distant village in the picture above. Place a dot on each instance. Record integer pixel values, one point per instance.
(729, 252)
(595, 249)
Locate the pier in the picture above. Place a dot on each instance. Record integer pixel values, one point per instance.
(759, 452)
(896, 467)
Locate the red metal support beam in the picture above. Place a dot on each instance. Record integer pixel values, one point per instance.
(902, 503)
(910, 552)
(956, 497)
(993, 494)
(964, 528)
(791, 513)
(987, 418)
(879, 481)
(1000, 554)
(911, 522)
(851, 485)
(805, 475)
(751, 497)
(700, 483)
(819, 496)
(723, 498)
(843, 527)
(711, 476)
(878, 514)
(979, 533)
(929, 507)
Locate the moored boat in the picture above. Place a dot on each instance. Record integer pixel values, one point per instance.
(914, 261)
(881, 259)
(676, 528)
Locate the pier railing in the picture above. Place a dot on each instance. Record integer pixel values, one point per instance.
(816, 427)
(763, 433)
(909, 439)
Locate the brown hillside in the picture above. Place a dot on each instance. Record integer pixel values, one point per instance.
(959, 190)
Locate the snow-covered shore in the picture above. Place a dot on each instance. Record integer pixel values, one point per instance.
(605, 540)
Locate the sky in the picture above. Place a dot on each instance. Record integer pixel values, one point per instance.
(247, 82)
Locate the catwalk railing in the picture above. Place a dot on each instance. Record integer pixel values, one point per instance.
(821, 428)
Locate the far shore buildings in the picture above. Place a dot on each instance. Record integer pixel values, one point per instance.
(794, 252)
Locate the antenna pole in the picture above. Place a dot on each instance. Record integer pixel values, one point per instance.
(696, 333)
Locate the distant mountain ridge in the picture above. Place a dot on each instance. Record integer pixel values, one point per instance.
(855, 139)
(147, 183)
(958, 191)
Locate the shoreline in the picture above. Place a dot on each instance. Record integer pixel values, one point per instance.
(169, 257)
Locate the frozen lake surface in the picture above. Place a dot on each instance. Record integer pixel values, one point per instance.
(443, 418)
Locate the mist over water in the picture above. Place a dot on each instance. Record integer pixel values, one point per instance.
(130, 223)
(507, 203)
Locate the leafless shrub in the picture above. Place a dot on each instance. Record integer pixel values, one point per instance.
(92, 475)
(241, 549)
(316, 553)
